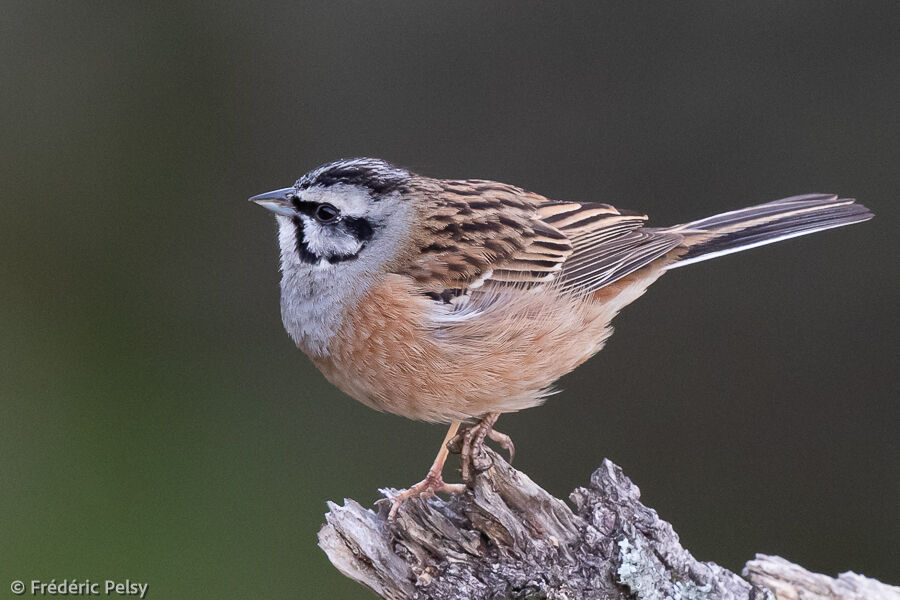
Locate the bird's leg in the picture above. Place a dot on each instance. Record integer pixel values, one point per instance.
(433, 481)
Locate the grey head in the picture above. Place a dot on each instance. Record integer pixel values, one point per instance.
(338, 226)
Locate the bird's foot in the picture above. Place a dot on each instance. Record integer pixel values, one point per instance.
(426, 488)
(456, 443)
(470, 446)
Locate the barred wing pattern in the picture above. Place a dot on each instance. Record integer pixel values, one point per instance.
(608, 244)
(605, 244)
(483, 237)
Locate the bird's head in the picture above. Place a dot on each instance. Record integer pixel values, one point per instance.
(341, 212)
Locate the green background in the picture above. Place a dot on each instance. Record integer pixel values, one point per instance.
(156, 422)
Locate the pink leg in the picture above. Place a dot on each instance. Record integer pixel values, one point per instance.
(433, 482)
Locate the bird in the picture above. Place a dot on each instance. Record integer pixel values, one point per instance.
(457, 300)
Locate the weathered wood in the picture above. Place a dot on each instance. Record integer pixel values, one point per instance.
(788, 581)
(508, 538)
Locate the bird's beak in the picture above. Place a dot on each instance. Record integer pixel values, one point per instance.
(278, 201)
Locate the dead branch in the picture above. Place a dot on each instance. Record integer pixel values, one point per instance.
(508, 538)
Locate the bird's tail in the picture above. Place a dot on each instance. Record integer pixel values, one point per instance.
(766, 223)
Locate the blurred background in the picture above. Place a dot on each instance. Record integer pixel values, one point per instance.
(157, 424)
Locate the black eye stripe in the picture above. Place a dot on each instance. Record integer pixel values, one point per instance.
(360, 228)
(312, 209)
(303, 207)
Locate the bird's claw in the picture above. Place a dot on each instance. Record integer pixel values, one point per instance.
(426, 488)
(505, 442)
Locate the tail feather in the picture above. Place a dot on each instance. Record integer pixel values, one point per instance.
(764, 224)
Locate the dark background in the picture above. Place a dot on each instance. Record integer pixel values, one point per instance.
(156, 422)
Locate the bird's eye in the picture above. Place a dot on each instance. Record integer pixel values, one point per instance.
(326, 213)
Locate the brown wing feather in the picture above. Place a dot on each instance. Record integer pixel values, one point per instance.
(481, 234)
(476, 228)
(608, 243)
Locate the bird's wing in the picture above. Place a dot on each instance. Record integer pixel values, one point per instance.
(481, 236)
(608, 243)
(471, 231)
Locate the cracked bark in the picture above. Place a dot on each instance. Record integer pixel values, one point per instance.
(508, 538)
